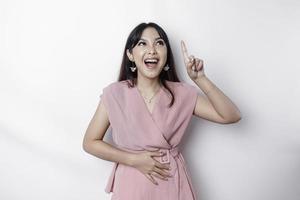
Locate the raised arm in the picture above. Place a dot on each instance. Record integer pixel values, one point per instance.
(216, 106)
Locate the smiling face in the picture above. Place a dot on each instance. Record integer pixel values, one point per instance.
(149, 54)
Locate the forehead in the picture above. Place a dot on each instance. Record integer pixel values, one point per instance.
(150, 33)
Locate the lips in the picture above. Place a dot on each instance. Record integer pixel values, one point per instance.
(151, 62)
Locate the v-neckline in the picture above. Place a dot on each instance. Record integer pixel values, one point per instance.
(157, 98)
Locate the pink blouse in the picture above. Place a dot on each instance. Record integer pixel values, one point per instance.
(135, 129)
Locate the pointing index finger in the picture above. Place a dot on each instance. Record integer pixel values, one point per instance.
(184, 51)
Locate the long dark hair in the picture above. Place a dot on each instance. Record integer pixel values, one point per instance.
(132, 40)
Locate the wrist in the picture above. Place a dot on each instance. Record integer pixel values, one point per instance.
(200, 79)
(130, 159)
(205, 84)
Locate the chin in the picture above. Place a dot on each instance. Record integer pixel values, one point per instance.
(151, 75)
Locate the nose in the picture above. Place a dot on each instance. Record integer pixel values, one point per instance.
(151, 50)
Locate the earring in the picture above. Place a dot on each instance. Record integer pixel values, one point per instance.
(133, 68)
(166, 68)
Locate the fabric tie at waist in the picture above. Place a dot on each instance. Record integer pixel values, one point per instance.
(163, 159)
(168, 157)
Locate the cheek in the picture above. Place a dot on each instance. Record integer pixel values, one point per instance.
(163, 53)
(137, 53)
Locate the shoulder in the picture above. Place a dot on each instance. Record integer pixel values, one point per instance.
(116, 89)
(116, 85)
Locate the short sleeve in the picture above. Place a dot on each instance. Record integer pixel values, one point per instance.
(193, 96)
(104, 97)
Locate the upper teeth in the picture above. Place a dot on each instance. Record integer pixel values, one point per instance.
(151, 60)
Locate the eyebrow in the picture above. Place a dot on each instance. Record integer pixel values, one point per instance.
(155, 38)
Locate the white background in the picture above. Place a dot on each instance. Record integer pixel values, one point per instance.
(56, 56)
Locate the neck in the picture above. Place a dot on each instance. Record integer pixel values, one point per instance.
(148, 85)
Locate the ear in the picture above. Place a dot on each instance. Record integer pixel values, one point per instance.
(129, 55)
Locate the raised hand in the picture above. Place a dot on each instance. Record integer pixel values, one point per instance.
(194, 66)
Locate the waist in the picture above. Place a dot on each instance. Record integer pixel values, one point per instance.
(174, 151)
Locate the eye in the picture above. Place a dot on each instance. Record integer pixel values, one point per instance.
(161, 42)
(141, 43)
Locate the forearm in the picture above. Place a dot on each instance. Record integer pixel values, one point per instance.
(222, 104)
(108, 152)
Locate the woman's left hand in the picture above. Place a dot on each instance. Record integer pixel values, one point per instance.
(194, 66)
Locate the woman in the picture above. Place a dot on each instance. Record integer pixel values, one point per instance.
(149, 110)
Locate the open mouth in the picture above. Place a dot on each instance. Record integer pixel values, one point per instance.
(151, 62)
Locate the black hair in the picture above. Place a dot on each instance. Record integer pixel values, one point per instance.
(132, 40)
